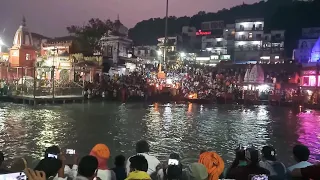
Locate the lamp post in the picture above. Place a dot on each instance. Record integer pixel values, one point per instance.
(165, 35)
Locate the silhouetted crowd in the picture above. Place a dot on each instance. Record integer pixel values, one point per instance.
(249, 163)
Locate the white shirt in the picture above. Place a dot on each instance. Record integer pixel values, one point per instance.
(153, 162)
(299, 165)
(106, 174)
(71, 173)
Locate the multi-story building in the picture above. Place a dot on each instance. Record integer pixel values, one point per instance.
(116, 44)
(214, 44)
(248, 39)
(190, 42)
(172, 48)
(273, 46)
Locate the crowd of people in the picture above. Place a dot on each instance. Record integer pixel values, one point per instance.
(249, 163)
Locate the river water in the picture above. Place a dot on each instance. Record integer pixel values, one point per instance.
(184, 128)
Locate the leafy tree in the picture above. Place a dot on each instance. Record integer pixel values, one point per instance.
(89, 35)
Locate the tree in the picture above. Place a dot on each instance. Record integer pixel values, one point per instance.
(90, 34)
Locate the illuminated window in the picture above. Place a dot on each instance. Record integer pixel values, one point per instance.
(250, 35)
(28, 57)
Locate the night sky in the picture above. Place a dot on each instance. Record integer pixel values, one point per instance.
(51, 17)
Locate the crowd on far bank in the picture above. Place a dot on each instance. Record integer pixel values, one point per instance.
(249, 163)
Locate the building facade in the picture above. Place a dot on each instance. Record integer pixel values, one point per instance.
(216, 42)
(248, 39)
(22, 53)
(272, 49)
(307, 41)
(116, 45)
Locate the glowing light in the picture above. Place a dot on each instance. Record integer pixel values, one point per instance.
(169, 81)
(256, 42)
(203, 33)
(263, 87)
(241, 43)
(203, 58)
(159, 52)
(265, 57)
(1, 44)
(183, 54)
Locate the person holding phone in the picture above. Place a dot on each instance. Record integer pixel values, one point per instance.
(143, 148)
(269, 161)
(239, 161)
(253, 168)
(55, 153)
(173, 169)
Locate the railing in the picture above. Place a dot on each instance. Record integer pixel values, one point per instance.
(41, 81)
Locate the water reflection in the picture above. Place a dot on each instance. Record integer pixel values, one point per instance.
(309, 133)
(183, 128)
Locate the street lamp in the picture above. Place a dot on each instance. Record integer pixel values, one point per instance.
(165, 34)
(1, 44)
(182, 54)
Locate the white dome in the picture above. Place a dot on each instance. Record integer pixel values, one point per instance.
(23, 36)
(256, 74)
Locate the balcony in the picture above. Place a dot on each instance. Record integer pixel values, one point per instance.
(245, 38)
(241, 28)
(248, 48)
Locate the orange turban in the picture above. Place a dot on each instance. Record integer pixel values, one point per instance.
(101, 151)
(214, 164)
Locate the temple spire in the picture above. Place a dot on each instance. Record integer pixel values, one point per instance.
(118, 17)
(23, 21)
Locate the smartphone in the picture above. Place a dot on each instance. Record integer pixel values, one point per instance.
(53, 156)
(258, 177)
(173, 162)
(14, 176)
(70, 151)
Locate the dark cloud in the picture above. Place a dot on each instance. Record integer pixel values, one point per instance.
(50, 17)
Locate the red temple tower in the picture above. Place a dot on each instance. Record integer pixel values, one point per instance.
(22, 53)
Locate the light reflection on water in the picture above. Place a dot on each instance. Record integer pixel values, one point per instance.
(182, 128)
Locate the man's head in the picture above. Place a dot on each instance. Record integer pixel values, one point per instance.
(50, 166)
(252, 156)
(142, 146)
(301, 153)
(268, 153)
(138, 163)
(52, 150)
(120, 161)
(174, 170)
(88, 166)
